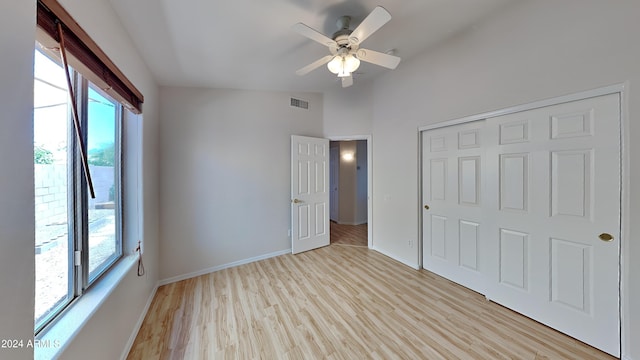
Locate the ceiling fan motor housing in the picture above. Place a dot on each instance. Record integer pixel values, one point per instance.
(342, 35)
(343, 22)
(343, 40)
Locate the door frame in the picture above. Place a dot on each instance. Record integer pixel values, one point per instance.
(334, 165)
(368, 138)
(625, 179)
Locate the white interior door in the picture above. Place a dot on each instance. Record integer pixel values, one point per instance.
(525, 208)
(453, 212)
(309, 193)
(558, 175)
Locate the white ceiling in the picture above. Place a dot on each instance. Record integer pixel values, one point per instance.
(249, 44)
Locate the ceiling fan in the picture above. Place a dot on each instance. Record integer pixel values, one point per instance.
(344, 46)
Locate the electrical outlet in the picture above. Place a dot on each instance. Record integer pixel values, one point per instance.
(411, 243)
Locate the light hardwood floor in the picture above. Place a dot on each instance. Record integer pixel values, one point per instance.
(338, 302)
(355, 235)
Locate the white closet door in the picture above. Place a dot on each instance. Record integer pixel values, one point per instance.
(525, 208)
(555, 192)
(452, 188)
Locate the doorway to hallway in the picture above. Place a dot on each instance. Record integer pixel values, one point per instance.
(349, 191)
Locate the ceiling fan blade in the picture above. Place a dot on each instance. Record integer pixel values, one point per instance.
(347, 81)
(374, 21)
(314, 35)
(378, 58)
(314, 65)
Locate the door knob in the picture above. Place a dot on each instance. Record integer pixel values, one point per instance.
(426, 207)
(606, 237)
(296, 201)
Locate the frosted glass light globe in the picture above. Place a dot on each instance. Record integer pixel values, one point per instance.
(351, 63)
(335, 65)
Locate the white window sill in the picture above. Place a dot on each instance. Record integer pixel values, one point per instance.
(54, 340)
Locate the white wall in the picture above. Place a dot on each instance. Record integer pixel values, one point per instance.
(110, 327)
(530, 51)
(347, 184)
(348, 111)
(352, 182)
(17, 262)
(225, 172)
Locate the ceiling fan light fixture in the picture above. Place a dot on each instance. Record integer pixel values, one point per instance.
(343, 65)
(345, 52)
(335, 65)
(351, 63)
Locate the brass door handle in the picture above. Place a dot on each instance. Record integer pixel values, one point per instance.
(606, 237)
(297, 201)
(426, 207)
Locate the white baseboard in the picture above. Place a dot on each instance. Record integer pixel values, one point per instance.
(626, 357)
(408, 263)
(138, 325)
(222, 267)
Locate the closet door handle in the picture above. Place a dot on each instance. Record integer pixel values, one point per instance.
(606, 237)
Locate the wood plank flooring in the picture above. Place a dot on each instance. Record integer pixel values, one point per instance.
(355, 235)
(338, 302)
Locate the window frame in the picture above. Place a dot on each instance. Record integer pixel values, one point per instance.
(79, 280)
(83, 94)
(71, 295)
(89, 60)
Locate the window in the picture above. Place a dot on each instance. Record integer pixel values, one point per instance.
(80, 240)
(77, 238)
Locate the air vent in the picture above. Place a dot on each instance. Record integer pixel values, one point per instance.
(302, 104)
